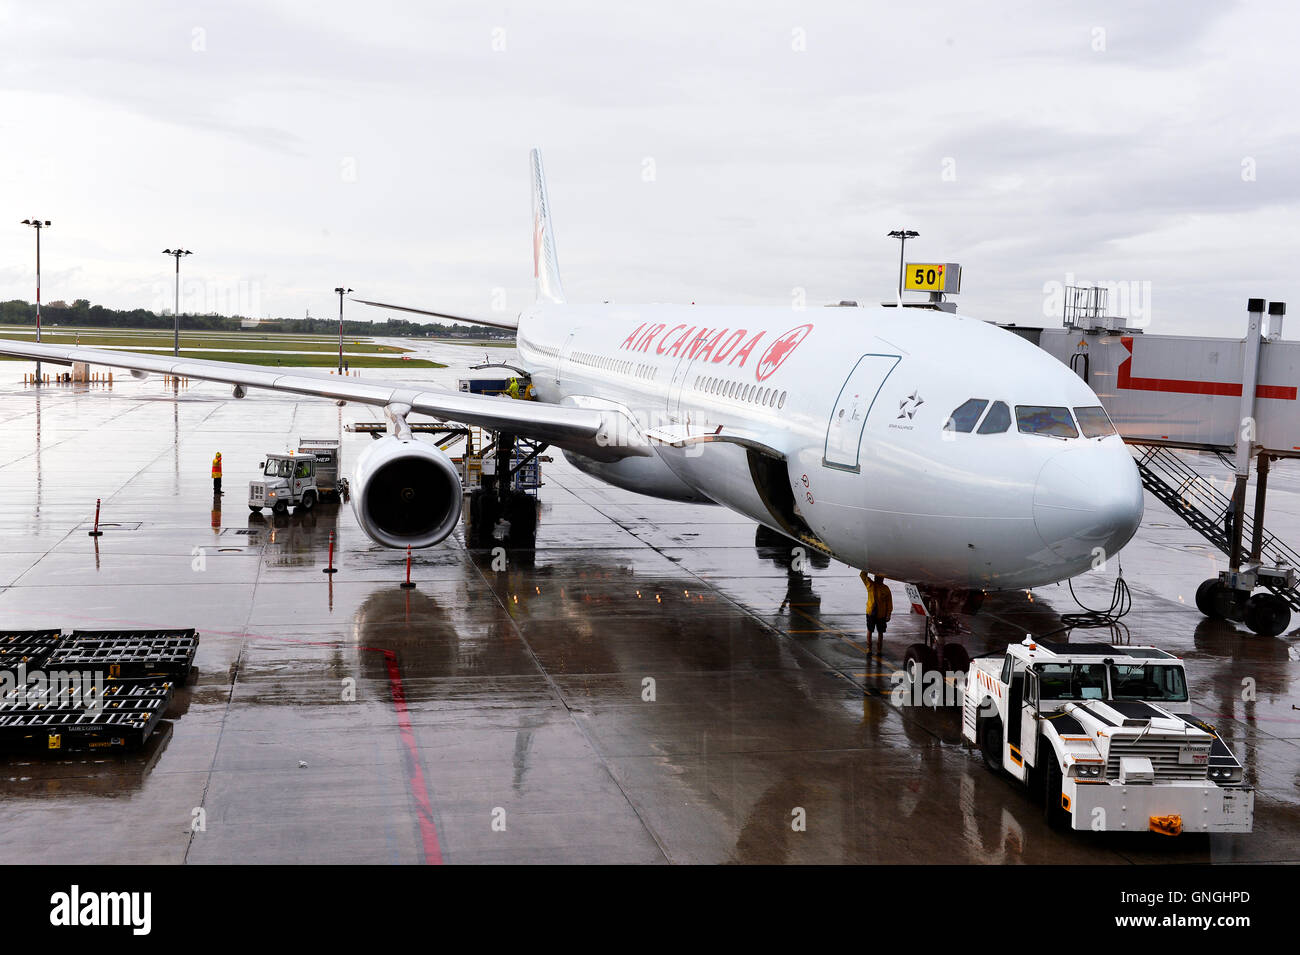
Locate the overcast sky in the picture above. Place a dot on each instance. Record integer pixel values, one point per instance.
(717, 153)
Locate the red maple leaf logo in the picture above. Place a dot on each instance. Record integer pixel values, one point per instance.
(779, 351)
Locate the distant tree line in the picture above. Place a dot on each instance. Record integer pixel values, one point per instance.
(82, 313)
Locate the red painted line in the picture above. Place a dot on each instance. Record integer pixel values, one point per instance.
(415, 776)
(1185, 386)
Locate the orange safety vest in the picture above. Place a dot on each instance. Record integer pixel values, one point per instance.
(216, 466)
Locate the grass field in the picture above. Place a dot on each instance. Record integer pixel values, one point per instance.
(312, 361)
(92, 338)
(254, 349)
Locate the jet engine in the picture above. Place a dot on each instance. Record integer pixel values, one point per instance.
(405, 492)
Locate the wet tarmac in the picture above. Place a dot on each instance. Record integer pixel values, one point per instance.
(645, 686)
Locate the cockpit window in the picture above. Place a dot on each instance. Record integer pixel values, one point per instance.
(967, 413)
(997, 420)
(1039, 419)
(1094, 422)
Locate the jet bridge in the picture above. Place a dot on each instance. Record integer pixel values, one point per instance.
(1225, 395)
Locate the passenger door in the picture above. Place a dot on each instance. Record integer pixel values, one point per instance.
(561, 355)
(675, 387)
(848, 418)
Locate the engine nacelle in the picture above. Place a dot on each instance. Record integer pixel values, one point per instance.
(405, 493)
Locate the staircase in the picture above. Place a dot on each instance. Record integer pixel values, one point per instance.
(1205, 509)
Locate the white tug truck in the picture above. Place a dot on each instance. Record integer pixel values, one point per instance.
(1105, 734)
(297, 478)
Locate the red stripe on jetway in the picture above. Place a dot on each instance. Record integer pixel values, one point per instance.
(1188, 387)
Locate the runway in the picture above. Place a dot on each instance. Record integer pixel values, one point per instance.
(644, 687)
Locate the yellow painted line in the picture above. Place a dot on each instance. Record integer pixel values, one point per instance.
(837, 632)
(843, 635)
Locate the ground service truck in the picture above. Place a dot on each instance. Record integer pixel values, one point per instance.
(1105, 734)
(298, 479)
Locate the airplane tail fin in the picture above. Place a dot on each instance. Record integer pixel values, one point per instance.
(546, 268)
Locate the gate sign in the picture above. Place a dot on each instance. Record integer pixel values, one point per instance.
(932, 277)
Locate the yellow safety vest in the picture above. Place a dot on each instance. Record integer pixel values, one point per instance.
(880, 602)
(216, 466)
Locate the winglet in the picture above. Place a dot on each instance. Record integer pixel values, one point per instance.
(546, 268)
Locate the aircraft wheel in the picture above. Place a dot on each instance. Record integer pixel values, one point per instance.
(484, 512)
(1223, 602)
(523, 520)
(917, 662)
(1267, 614)
(1203, 603)
(955, 659)
(991, 743)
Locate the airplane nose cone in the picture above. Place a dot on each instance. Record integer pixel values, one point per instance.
(1088, 498)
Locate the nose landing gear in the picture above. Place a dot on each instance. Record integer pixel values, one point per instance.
(940, 652)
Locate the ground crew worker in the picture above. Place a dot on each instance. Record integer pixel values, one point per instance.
(512, 388)
(880, 607)
(216, 475)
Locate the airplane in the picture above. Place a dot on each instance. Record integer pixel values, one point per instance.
(933, 448)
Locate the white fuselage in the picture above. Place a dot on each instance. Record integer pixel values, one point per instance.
(854, 403)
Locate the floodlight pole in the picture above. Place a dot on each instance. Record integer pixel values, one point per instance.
(176, 253)
(902, 235)
(342, 291)
(38, 225)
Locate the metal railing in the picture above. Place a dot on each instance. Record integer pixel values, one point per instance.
(1206, 509)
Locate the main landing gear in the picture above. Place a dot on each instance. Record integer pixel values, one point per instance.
(501, 511)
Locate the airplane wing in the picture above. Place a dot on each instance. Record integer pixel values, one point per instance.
(501, 321)
(589, 431)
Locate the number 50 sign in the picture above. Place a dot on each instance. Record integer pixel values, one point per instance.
(932, 277)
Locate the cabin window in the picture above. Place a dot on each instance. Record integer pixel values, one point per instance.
(1041, 419)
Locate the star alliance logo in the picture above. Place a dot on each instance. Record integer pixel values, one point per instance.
(907, 407)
